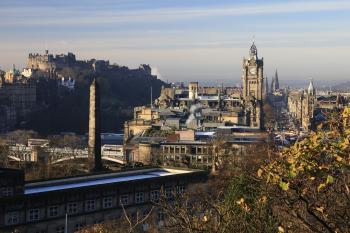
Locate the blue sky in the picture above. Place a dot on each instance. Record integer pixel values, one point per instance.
(185, 39)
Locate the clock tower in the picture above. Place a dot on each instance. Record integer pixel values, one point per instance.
(253, 82)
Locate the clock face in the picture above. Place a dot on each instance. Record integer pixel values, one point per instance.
(252, 70)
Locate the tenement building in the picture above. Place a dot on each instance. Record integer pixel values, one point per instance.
(43, 206)
(301, 106)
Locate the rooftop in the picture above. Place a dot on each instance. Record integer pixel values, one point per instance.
(101, 179)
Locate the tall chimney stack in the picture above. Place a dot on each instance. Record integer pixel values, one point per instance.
(94, 144)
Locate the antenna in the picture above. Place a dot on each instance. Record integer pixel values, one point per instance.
(253, 39)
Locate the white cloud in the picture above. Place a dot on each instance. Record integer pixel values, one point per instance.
(63, 16)
(310, 49)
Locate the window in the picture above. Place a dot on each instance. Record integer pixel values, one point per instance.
(39, 231)
(72, 208)
(12, 218)
(124, 199)
(6, 191)
(193, 150)
(139, 197)
(98, 221)
(146, 212)
(60, 229)
(183, 150)
(205, 150)
(169, 192)
(155, 195)
(90, 205)
(134, 216)
(181, 189)
(34, 215)
(78, 227)
(53, 211)
(107, 202)
(161, 216)
(199, 150)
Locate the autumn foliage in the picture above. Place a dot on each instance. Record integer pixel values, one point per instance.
(309, 182)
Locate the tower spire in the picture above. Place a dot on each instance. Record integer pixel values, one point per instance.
(277, 85)
(311, 89)
(253, 50)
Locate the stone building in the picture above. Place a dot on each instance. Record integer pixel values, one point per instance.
(42, 206)
(13, 75)
(17, 98)
(202, 109)
(253, 86)
(302, 107)
(21, 96)
(220, 105)
(275, 86)
(48, 62)
(188, 148)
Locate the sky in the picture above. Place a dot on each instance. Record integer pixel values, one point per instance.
(185, 40)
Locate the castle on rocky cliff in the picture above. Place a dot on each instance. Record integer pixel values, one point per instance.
(48, 62)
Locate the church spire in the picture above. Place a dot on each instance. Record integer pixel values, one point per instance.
(311, 89)
(277, 85)
(272, 90)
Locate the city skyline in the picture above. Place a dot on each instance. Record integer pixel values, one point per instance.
(186, 40)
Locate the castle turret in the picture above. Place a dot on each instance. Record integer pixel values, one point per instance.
(94, 144)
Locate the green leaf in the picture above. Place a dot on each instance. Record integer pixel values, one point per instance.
(284, 186)
(330, 179)
(292, 174)
(321, 186)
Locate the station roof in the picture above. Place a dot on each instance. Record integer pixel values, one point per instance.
(102, 179)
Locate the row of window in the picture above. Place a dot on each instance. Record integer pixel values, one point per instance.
(6, 191)
(77, 228)
(192, 158)
(34, 214)
(183, 150)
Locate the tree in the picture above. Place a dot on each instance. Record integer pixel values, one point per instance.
(232, 200)
(21, 136)
(4, 152)
(236, 207)
(309, 182)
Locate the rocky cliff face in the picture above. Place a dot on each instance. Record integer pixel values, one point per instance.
(121, 89)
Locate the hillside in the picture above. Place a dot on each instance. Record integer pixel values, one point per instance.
(121, 89)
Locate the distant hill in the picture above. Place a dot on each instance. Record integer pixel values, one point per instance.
(344, 86)
(121, 90)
